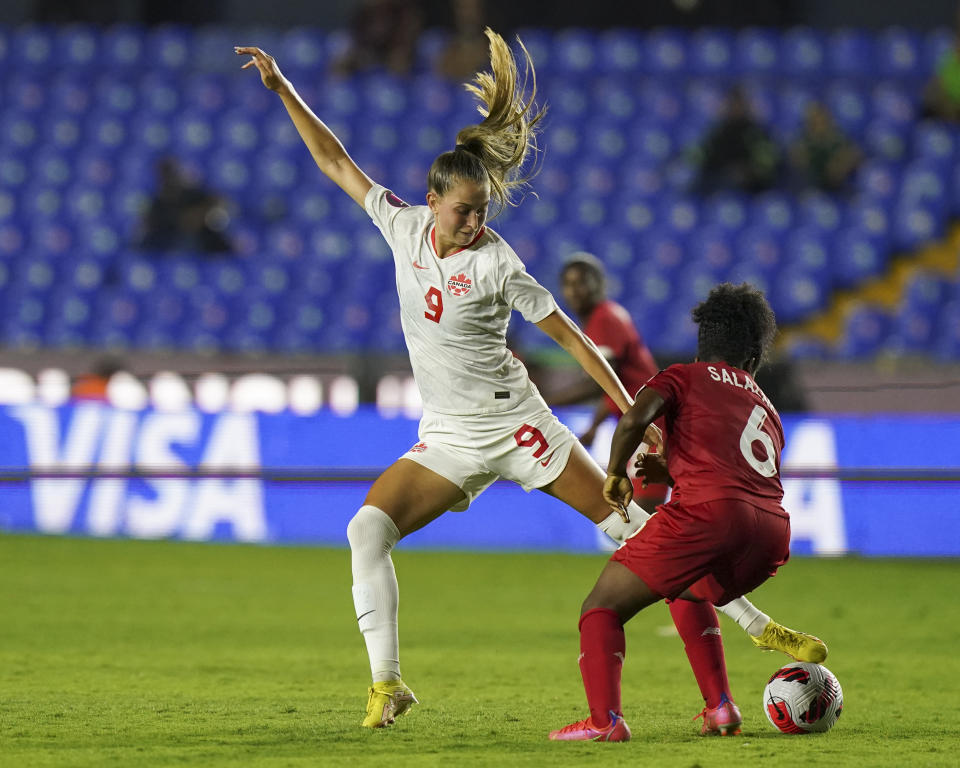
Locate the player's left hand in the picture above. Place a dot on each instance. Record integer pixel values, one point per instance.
(654, 438)
(618, 492)
(652, 468)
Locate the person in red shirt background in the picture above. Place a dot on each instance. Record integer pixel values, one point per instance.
(608, 325)
(723, 532)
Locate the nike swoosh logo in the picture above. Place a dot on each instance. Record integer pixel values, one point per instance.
(546, 460)
(419, 267)
(365, 614)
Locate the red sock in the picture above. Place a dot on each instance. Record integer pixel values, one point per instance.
(699, 629)
(602, 647)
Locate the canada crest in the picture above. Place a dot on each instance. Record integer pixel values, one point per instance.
(459, 285)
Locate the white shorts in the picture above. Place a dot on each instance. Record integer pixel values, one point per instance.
(526, 444)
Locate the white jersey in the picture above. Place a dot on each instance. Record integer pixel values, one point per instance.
(455, 311)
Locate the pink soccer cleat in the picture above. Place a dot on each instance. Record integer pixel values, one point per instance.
(585, 730)
(722, 720)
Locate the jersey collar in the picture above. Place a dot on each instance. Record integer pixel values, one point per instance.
(433, 241)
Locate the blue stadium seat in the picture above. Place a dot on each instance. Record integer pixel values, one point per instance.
(849, 107)
(574, 52)
(34, 47)
(912, 331)
(122, 48)
(704, 100)
(662, 102)
(615, 98)
(898, 54)
(935, 141)
(850, 53)
(856, 256)
(803, 53)
(772, 210)
(619, 51)
(665, 53)
(946, 344)
(19, 132)
(818, 210)
(760, 247)
(808, 251)
(935, 44)
(757, 51)
(893, 102)
(915, 224)
(711, 53)
(168, 47)
(879, 180)
(651, 143)
(68, 94)
(865, 330)
(77, 47)
(797, 293)
(885, 139)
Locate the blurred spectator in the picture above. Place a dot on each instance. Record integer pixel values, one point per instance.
(466, 52)
(183, 216)
(822, 156)
(383, 35)
(738, 152)
(93, 385)
(941, 96)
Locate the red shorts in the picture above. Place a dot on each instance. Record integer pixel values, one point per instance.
(719, 550)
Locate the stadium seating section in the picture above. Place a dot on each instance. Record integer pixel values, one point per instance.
(87, 111)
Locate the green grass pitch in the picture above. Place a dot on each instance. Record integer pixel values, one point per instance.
(125, 653)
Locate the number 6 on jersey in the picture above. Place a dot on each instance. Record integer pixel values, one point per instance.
(753, 432)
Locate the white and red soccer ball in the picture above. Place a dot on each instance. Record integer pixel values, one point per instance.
(803, 698)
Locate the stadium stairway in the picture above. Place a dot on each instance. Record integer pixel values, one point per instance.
(884, 292)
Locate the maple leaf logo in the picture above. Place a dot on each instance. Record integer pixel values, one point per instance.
(459, 285)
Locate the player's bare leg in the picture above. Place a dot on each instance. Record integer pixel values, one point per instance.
(404, 498)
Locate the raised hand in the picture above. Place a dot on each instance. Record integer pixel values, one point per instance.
(270, 73)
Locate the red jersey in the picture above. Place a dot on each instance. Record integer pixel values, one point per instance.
(610, 328)
(723, 436)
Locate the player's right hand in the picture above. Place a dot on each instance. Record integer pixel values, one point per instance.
(618, 492)
(270, 73)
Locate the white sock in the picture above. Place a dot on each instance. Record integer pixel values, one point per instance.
(619, 531)
(376, 595)
(747, 615)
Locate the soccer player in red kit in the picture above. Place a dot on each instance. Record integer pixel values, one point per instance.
(608, 325)
(723, 532)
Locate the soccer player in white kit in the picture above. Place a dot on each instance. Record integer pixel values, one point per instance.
(458, 281)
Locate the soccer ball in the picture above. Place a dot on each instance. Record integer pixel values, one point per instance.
(803, 698)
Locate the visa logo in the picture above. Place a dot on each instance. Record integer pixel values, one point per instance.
(92, 435)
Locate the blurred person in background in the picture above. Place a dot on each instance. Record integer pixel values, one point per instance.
(724, 531)
(483, 419)
(738, 152)
(383, 35)
(941, 95)
(92, 386)
(183, 216)
(822, 156)
(466, 50)
(608, 325)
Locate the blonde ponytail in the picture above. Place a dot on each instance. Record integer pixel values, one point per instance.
(495, 149)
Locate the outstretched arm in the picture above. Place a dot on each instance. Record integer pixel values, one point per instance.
(565, 332)
(325, 147)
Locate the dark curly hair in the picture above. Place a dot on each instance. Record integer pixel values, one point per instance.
(736, 325)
